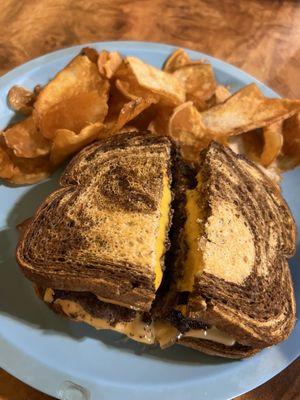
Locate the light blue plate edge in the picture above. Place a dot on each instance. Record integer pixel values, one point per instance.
(45, 378)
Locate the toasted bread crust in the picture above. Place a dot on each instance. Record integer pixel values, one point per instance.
(66, 247)
(236, 351)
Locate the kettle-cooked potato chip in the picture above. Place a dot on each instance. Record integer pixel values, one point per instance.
(160, 122)
(131, 110)
(221, 94)
(108, 63)
(131, 89)
(91, 53)
(246, 110)
(166, 86)
(177, 59)
(199, 82)
(115, 102)
(26, 140)
(21, 100)
(75, 97)
(29, 171)
(19, 170)
(273, 141)
(66, 142)
(291, 143)
(76, 112)
(187, 130)
(6, 164)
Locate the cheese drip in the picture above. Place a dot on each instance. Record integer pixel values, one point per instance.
(135, 329)
(166, 334)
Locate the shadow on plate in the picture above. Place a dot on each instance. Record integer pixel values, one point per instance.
(19, 301)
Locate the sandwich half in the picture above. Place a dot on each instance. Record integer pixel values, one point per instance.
(229, 290)
(95, 248)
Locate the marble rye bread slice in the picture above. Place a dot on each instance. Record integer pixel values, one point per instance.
(244, 287)
(97, 233)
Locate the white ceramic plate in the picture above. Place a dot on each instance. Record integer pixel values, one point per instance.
(51, 354)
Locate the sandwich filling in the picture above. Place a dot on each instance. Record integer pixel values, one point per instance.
(167, 334)
(135, 327)
(193, 229)
(193, 265)
(160, 247)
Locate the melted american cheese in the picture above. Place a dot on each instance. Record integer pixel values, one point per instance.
(162, 230)
(116, 302)
(213, 334)
(49, 295)
(162, 332)
(192, 234)
(136, 329)
(166, 334)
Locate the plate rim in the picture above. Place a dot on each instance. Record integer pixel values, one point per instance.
(8, 350)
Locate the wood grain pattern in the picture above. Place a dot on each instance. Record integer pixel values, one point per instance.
(259, 36)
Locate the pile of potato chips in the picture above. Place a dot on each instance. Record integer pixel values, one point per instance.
(101, 94)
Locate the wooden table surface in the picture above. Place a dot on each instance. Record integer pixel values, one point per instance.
(260, 36)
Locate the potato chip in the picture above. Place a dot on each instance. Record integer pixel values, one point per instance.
(75, 97)
(66, 142)
(160, 123)
(236, 144)
(115, 102)
(177, 59)
(6, 164)
(221, 94)
(25, 140)
(259, 145)
(166, 86)
(142, 120)
(19, 170)
(28, 171)
(253, 144)
(79, 76)
(37, 90)
(187, 130)
(131, 110)
(108, 63)
(291, 143)
(75, 113)
(21, 100)
(92, 54)
(130, 89)
(273, 141)
(199, 82)
(246, 110)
